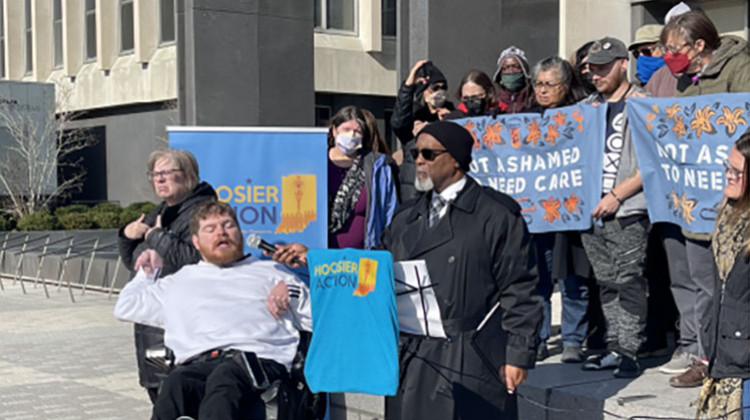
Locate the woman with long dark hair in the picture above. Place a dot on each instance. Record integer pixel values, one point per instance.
(727, 335)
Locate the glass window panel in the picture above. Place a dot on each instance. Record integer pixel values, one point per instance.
(57, 33)
(388, 9)
(340, 14)
(166, 13)
(90, 5)
(126, 25)
(2, 40)
(318, 13)
(28, 38)
(91, 34)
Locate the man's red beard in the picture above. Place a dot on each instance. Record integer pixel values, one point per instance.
(222, 252)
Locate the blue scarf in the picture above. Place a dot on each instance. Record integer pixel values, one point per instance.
(645, 67)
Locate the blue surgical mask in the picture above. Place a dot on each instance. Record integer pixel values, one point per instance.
(645, 66)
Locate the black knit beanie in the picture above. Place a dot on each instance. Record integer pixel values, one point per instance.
(456, 139)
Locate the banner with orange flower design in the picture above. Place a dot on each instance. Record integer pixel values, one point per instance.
(550, 163)
(681, 145)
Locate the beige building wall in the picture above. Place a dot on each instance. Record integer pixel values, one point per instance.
(585, 20)
(363, 64)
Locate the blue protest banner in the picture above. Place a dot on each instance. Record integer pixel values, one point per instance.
(551, 164)
(354, 345)
(275, 179)
(681, 144)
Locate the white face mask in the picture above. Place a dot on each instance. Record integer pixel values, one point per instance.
(347, 143)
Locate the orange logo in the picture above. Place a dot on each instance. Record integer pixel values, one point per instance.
(368, 269)
(298, 203)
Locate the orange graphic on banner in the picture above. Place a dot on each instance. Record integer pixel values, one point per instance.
(298, 203)
(368, 268)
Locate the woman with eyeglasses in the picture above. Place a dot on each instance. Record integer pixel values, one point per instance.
(703, 63)
(727, 333)
(422, 98)
(174, 178)
(555, 84)
(561, 255)
(362, 194)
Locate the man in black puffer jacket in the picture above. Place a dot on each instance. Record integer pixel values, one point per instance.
(174, 177)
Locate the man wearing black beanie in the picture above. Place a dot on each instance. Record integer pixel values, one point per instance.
(477, 249)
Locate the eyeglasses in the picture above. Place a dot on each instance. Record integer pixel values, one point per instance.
(167, 173)
(674, 50)
(473, 97)
(538, 85)
(428, 154)
(731, 172)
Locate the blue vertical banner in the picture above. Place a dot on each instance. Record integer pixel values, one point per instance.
(274, 178)
(550, 163)
(681, 144)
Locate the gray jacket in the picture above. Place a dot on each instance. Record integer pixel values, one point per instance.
(636, 203)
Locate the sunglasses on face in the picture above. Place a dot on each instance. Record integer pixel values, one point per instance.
(427, 154)
(647, 51)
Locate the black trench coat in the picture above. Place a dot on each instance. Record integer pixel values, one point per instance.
(479, 253)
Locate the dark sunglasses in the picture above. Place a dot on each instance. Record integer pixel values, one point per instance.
(428, 154)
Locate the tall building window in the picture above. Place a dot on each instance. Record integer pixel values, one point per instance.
(126, 26)
(2, 39)
(336, 15)
(28, 37)
(57, 59)
(388, 20)
(166, 20)
(90, 26)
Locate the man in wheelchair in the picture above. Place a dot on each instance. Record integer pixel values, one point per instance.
(232, 322)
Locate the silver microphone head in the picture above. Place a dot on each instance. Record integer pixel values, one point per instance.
(253, 241)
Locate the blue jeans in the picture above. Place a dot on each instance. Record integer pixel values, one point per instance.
(575, 297)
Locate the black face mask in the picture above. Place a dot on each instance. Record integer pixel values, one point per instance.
(588, 82)
(475, 107)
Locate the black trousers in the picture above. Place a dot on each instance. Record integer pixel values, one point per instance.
(213, 389)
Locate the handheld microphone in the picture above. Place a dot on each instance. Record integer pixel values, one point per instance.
(255, 241)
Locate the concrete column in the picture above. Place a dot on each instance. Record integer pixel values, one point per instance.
(107, 28)
(73, 33)
(42, 44)
(245, 62)
(146, 29)
(463, 35)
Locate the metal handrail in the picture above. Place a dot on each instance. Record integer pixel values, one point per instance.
(46, 245)
(95, 249)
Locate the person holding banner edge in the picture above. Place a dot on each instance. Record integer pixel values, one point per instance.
(703, 63)
(616, 246)
(478, 251)
(560, 255)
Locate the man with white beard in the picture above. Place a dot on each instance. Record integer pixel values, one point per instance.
(477, 249)
(223, 319)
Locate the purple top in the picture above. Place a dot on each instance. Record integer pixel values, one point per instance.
(352, 234)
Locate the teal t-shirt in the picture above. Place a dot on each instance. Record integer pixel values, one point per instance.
(354, 344)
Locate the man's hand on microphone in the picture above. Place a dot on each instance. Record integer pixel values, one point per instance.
(286, 254)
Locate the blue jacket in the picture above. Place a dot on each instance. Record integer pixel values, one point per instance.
(382, 201)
